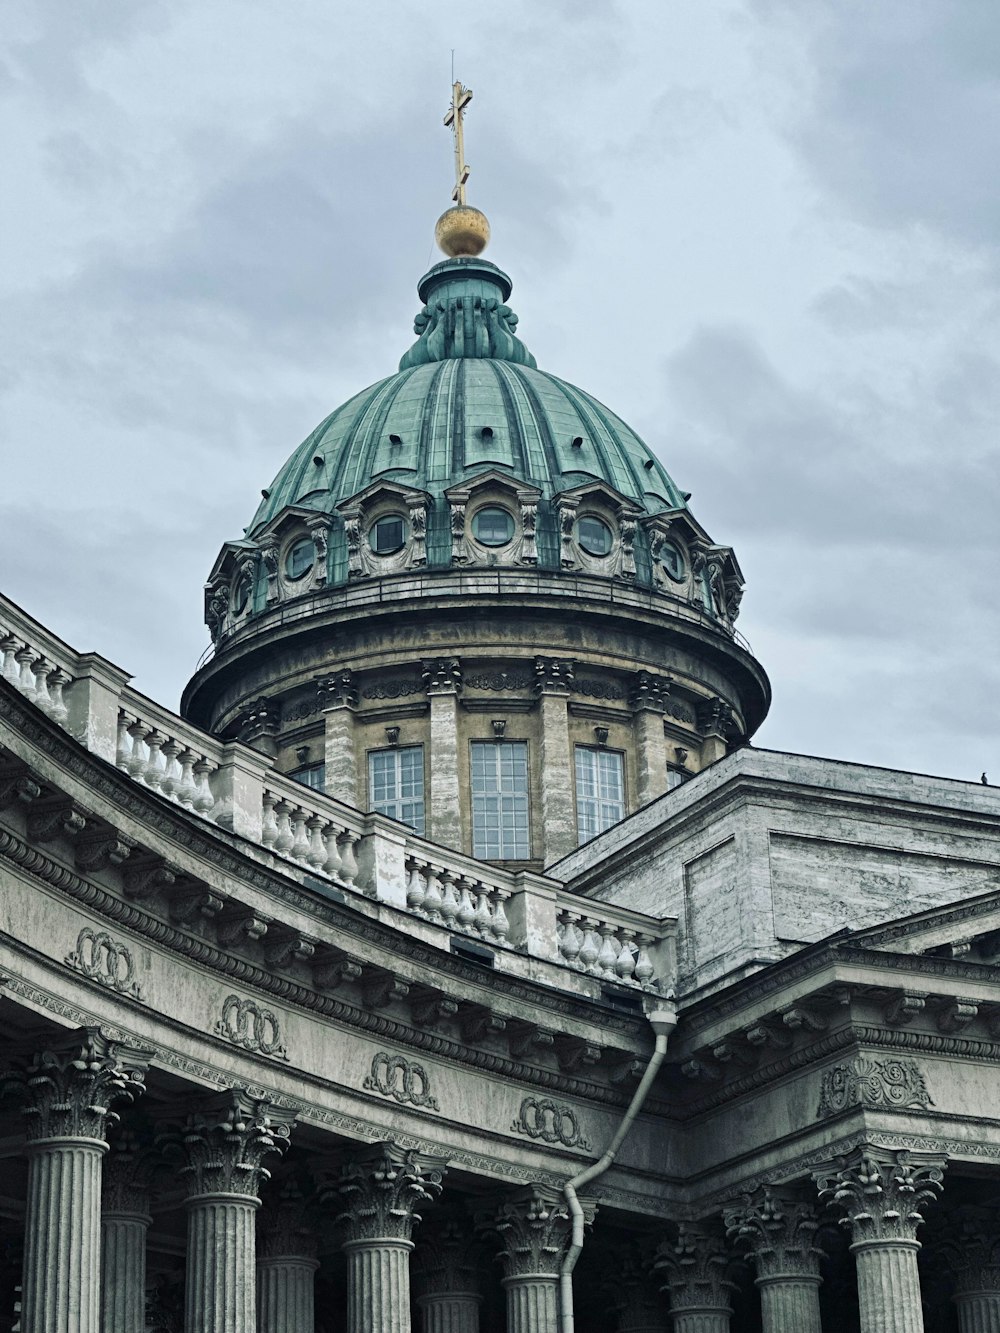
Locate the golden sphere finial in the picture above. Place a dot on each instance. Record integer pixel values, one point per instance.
(462, 230)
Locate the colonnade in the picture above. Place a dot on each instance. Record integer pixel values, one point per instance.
(87, 1216)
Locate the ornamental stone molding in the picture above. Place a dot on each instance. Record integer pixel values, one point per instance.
(221, 1147)
(250, 1026)
(883, 1194)
(550, 1122)
(697, 1267)
(106, 961)
(380, 1189)
(67, 1088)
(534, 1227)
(404, 1080)
(874, 1083)
(777, 1230)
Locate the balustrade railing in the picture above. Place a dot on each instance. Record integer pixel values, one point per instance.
(240, 790)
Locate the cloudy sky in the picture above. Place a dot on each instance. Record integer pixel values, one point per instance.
(766, 232)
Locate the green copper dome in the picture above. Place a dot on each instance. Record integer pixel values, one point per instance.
(468, 398)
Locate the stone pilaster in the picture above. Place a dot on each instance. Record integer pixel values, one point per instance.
(338, 697)
(68, 1090)
(967, 1241)
(125, 1220)
(553, 681)
(447, 1262)
(777, 1230)
(221, 1149)
(442, 678)
(697, 1267)
(883, 1194)
(286, 1265)
(648, 696)
(380, 1189)
(534, 1229)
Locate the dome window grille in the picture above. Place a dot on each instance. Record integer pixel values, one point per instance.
(300, 558)
(387, 535)
(595, 536)
(493, 526)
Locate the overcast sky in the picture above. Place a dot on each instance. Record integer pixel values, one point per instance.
(765, 232)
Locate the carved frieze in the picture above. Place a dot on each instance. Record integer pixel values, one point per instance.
(495, 681)
(403, 1080)
(550, 1122)
(875, 1083)
(251, 1027)
(393, 689)
(106, 961)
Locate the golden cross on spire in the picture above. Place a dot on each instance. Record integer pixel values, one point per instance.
(460, 99)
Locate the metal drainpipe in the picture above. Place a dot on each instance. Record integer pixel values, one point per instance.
(663, 1020)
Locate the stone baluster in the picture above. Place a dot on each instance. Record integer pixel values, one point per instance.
(967, 1241)
(777, 1230)
(883, 1194)
(697, 1268)
(221, 1149)
(68, 1089)
(447, 1263)
(286, 1265)
(380, 1189)
(125, 1220)
(534, 1228)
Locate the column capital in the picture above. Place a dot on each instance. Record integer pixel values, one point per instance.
(882, 1192)
(68, 1084)
(283, 1226)
(442, 675)
(967, 1239)
(534, 1226)
(697, 1268)
(554, 675)
(128, 1172)
(222, 1145)
(448, 1258)
(777, 1229)
(380, 1189)
(649, 690)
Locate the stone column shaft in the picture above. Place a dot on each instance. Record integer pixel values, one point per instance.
(532, 1303)
(455, 1312)
(219, 1289)
(978, 1312)
(340, 757)
(650, 755)
(378, 1286)
(889, 1287)
(558, 779)
(285, 1295)
(123, 1272)
(62, 1237)
(444, 808)
(790, 1304)
(701, 1321)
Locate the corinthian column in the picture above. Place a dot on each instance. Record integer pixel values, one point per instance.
(882, 1194)
(967, 1241)
(380, 1190)
(778, 1230)
(696, 1267)
(221, 1149)
(447, 1264)
(553, 679)
(125, 1221)
(286, 1265)
(443, 680)
(68, 1090)
(534, 1228)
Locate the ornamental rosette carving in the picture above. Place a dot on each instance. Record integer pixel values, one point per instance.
(881, 1192)
(221, 1147)
(777, 1230)
(67, 1089)
(875, 1082)
(697, 1267)
(381, 1188)
(534, 1228)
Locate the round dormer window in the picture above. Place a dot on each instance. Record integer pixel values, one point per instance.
(241, 595)
(594, 536)
(387, 535)
(493, 526)
(672, 559)
(300, 558)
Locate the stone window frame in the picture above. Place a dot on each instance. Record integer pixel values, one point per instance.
(495, 743)
(622, 756)
(235, 563)
(487, 490)
(360, 513)
(370, 752)
(597, 499)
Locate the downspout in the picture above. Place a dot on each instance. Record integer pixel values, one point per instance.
(663, 1020)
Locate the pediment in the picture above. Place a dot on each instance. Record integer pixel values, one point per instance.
(291, 517)
(492, 478)
(229, 560)
(598, 489)
(384, 488)
(969, 929)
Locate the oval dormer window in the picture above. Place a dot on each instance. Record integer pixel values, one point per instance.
(300, 558)
(387, 535)
(493, 526)
(595, 536)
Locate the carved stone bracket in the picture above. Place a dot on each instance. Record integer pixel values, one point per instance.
(101, 848)
(51, 819)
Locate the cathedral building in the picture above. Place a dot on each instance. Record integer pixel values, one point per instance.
(453, 961)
